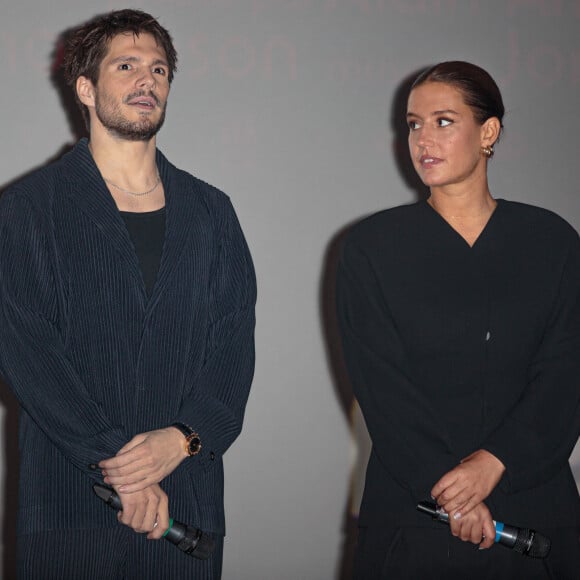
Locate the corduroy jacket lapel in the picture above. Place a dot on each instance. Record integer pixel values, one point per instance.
(86, 188)
(182, 213)
(88, 191)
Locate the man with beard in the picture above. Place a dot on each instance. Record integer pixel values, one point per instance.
(126, 327)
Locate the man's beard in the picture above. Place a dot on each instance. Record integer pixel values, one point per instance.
(109, 114)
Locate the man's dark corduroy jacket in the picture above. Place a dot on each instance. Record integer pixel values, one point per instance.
(94, 361)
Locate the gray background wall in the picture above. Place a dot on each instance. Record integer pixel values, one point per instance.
(289, 106)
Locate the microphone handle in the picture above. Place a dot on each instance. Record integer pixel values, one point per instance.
(190, 540)
(505, 535)
(522, 540)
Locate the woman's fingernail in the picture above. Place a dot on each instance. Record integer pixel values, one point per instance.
(456, 515)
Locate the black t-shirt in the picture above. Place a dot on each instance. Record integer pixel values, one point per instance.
(147, 232)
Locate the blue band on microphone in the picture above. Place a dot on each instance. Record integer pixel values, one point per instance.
(498, 531)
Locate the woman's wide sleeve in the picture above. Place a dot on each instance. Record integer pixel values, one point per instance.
(537, 437)
(407, 438)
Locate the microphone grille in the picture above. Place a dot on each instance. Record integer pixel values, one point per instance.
(539, 546)
(205, 547)
(530, 543)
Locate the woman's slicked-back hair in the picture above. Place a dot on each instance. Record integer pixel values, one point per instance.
(480, 91)
(86, 45)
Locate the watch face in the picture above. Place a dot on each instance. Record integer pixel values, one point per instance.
(194, 445)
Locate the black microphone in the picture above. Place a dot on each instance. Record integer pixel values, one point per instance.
(192, 541)
(522, 540)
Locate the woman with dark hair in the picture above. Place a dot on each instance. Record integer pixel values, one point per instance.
(460, 318)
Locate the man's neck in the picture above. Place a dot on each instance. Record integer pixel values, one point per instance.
(126, 161)
(129, 170)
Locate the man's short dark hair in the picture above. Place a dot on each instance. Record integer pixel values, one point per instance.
(86, 46)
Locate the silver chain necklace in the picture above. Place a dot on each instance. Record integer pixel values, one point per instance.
(136, 193)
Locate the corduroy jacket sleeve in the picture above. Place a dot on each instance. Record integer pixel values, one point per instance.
(536, 438)
(406, 437)
(32, 345)
(219, 391)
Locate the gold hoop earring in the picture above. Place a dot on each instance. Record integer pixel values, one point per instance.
(487, 151)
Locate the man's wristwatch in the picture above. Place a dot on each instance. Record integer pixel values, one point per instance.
(192, 440)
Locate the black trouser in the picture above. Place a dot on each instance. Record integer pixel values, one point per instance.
(110, 554)
(410, 553)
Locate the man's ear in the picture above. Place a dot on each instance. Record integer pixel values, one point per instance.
(85, 91)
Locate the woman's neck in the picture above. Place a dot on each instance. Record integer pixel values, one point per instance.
(463, 207)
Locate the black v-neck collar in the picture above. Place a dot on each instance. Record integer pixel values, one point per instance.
(460, 239)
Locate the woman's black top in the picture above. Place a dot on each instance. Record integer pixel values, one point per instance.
(452, 348)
